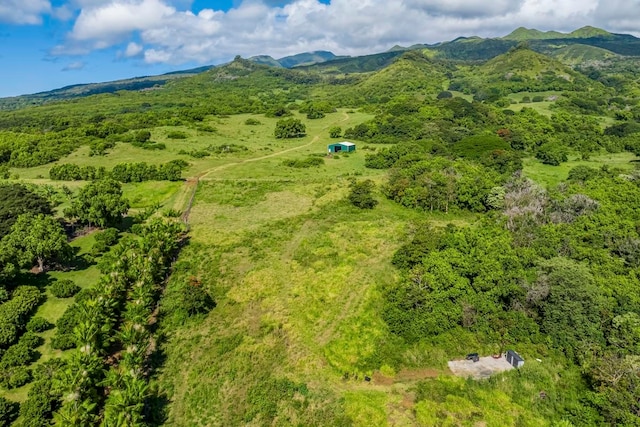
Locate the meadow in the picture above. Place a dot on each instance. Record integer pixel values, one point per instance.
(297, 275)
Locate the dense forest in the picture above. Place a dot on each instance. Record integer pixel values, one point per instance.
(190, 255)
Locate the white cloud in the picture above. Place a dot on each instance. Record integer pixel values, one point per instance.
(23, 11)
(172, 33)
(133, 49)
(74, 66)
(116, 20)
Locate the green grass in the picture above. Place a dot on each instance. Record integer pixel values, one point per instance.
(295, 270)
(550, 176)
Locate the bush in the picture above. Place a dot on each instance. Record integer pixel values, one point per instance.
(15, 377)
(39, 324)
(142, 136)
(176, 134)
(335, 132)
(63, 342)
(445, 94)
(41, 401)
(8, 411)
(550, 154)
(304, 163)
(360, 195)
(104, 240)
(64, 289)
(290, 128)
(582, 173)
(538, 98)
(171, 213)
(252, 122)
(15, 312)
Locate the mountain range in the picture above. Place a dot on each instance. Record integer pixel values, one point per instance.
(581, 46)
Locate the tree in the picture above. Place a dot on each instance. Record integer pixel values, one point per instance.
(37, 238)
(570, 310)
(335, 132)
(551, 154)
(290, 128)
(360, 195)
(99, 203)
(8, 411)
(18, 199)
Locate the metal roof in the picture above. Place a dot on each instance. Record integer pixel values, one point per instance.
(348, 144)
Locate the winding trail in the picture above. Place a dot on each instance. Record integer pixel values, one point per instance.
(191, 184)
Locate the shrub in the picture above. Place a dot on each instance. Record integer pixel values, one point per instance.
(252, 122)
(550, 154)
(15, 377)
(15, 312)
(142, 136)
(538, 98)
(64, 289)
(360, 195)
(63, 342)
(39, 324)
(304, 163)
(445, 94)
(582, 173)
(41, 401)
(176, 134)
(171, 213)
(335, 132)
(104, 240)
(290, 128)
(8, 411)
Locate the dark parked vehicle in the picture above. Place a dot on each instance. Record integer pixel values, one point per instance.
(473, 356)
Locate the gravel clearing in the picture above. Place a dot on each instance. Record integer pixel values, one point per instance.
(481, 369)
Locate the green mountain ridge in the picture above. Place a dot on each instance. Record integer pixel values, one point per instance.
(592, 44)
(522, 34)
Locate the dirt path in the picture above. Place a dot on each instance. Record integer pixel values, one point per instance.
(184, 200)
(256, 159)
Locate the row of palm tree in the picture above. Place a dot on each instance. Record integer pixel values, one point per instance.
(114, 325)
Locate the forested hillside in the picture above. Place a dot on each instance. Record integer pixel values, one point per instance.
(193, 255)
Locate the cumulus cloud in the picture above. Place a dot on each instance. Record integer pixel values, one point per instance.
(23, 11)
(74, 66)
(133, 49)
(172, 33)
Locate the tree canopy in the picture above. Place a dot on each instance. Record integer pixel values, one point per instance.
(99, 203)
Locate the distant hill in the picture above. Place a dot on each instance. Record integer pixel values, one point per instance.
(576, 54)
(307, 58)
(358, 64)
(574, 48)
(266, 60)
(301, 59)
(88, 89)
(521, 34)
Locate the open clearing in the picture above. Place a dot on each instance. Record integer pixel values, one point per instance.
(482, 369)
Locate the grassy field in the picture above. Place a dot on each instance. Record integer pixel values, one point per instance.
(296, 273)
(550, 176)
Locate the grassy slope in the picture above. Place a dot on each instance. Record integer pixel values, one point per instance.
(296, 273)
(550, 176)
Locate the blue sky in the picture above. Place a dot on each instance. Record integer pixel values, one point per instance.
(46, 44)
